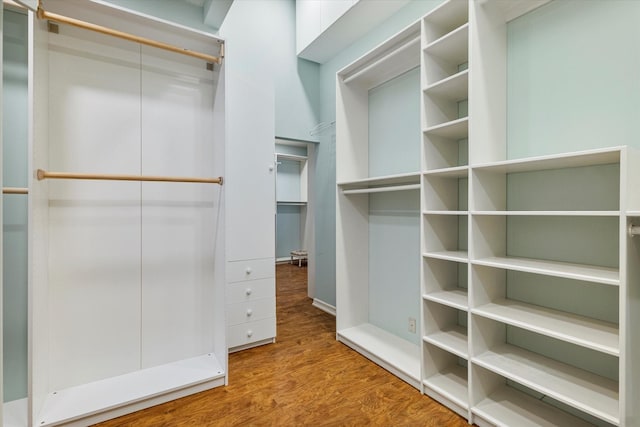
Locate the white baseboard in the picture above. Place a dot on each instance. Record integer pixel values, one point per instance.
(328, 308)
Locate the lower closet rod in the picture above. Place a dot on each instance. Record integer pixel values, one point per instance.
(42, 174)
(15, 190)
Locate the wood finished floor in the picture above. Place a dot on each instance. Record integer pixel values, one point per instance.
(305, 378)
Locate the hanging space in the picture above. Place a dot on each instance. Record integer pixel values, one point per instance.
(126, 227)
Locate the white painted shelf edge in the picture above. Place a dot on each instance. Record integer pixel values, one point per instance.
(453, 340)
(455, 129)
(585, 391)
(604, 275)
(402, 178)
(453, 172)
(546, 213)
(555, 161)
(458, 256)
(295, 157)
(447, 12)
(510, 407)
(443, 212)
(456, 298)
(16, 413)
(455, 87)
(100, 396)
(395, 353)
(451, 383)
(383, 189)
(583, 331)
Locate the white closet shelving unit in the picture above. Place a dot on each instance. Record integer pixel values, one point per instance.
(127, 279)
(528, 293)
(393, 58)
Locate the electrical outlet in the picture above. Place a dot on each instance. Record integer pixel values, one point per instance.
(412, 325)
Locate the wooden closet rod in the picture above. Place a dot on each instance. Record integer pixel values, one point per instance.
(15, 190)
(43, 14)
(42, 174)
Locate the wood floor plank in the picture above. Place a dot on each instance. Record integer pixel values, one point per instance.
(305, 378)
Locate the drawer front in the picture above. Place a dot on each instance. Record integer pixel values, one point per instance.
(250, 269)
(249, 311)
(251, 290)
(247, 333)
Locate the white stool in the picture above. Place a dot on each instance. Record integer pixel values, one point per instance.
(300, 255)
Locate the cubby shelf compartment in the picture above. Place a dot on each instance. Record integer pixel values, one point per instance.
(456, 298)
(453, 172)
(547, 213)
(453, 130)
(398, 182)
(454, 88)
(445, 18)
(452, 339)
(585, 391)
(583, 331)
(395, 354)
(590, 273)
(445, 378)
(506, 406)
(453, 47)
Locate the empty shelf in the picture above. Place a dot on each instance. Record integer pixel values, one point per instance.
(455, 129)
(588, 392)
(451, 383)
(580, 330)
(456, 298)
(458, 256)
(453, 340)
(604, 275)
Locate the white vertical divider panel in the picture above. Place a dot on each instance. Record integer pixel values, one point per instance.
(1, 222)
(38, 229)
(352, 229)
(178, 220)
(94, 227)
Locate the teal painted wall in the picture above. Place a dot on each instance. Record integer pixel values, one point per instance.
(14, 227)
(325, 179)
(573, 77)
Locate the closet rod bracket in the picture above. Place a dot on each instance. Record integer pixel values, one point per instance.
(634, 230)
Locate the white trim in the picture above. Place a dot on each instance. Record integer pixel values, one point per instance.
(327, 308)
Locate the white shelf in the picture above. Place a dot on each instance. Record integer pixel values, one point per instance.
(455, 130)
(556, 161)
(579, 330)
(547, 213)
(633, 213)
(379, 181)
(395, 61)
(458, 256)
(452, 47)
(395, 354)
(585, 391)
(383, 189)
(291, 203)
(15, 413)
(454, 172)
(294, 157)
(93, 398)
(454, 88)
(451, 383)
(507, 406)
(456, 298)
(453, 340)
(604, 275)
(444, 212)
(446, 17)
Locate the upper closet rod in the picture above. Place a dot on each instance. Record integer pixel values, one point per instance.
(15, 190)
(43, 14)
(42, 174)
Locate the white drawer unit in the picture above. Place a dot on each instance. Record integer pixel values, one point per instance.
(251, 269)
(251, 303)
(251, 334)
(249, 311)
(250, 290)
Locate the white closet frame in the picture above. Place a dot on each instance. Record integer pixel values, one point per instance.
(143, 387)
(467, 360)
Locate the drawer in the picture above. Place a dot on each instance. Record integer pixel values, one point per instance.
(251, 290)
(250, 269)
(251, 310)
(247, 333)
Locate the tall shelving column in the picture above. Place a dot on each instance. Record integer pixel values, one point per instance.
(445, 91)
(355, 327)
